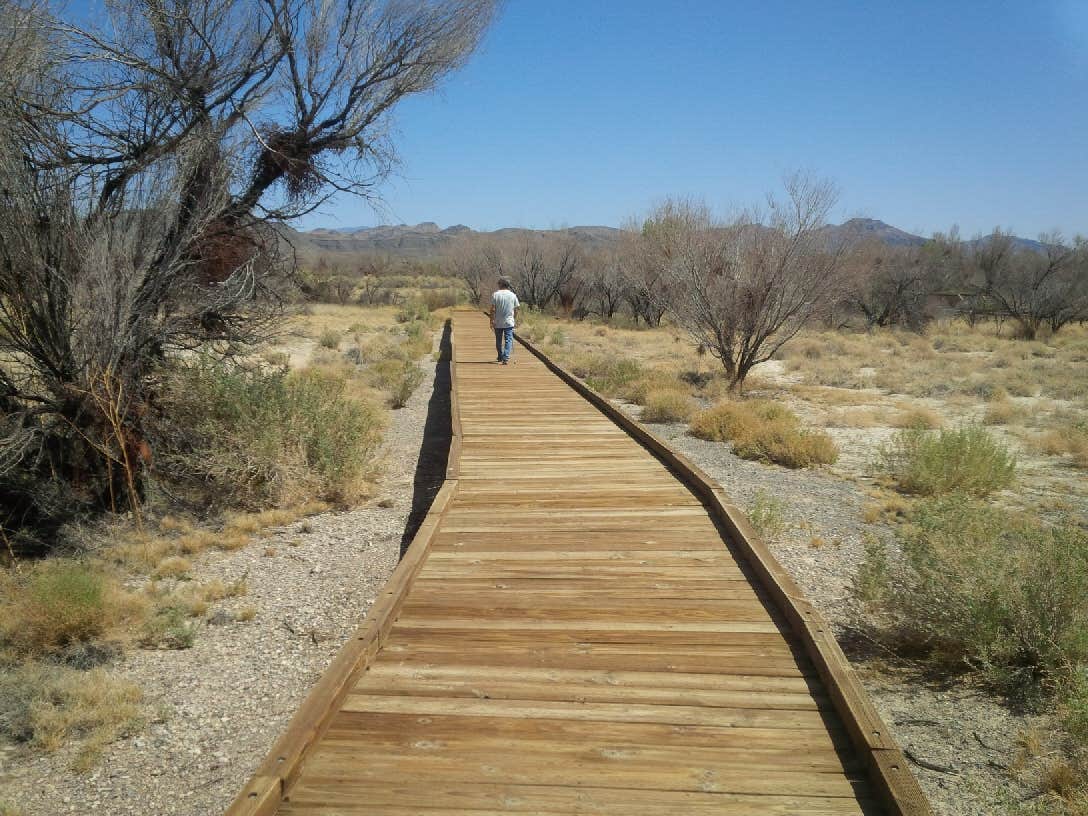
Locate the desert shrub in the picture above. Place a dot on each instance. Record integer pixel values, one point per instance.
(413, 310)
(49, 706)
(398, 377)
(667, 406)
(976, 587)
(379, 347)
(62, 602)
(764, 431)
(330, 339)
(418, 340)
(728, 420)
(1001, 412)
(606, 373)
(258, 437)
(967, 459)
(649, 381)
(435, 299)
(1068, 438)
(168, 628)
(918, 418)
(410, 378)
(767, 515)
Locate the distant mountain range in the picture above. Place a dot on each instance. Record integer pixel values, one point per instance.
(428, 239)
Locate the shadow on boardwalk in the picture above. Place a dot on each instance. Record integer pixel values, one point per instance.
(435, 450)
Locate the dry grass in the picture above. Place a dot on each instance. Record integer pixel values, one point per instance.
(887, 507)
(667, 406)
(1067, 438)
(764, 431)
(1002, 411)
(172, 567)
(866, 417)
(917, 417)
(61, 602)
(49, 706)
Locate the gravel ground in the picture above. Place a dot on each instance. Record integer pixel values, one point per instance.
(220, 705)
(955, 727)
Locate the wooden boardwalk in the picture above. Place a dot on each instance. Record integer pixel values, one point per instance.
(579, 627)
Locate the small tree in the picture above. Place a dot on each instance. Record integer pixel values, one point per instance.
(743, 289)
(890, 285)
(1034, 288)
(477, 263)
(607, 286)
(542, 266)
(142, 167)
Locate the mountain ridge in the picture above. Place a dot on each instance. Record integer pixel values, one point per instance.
(428, 238)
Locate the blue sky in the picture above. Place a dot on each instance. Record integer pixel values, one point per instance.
(926, 114)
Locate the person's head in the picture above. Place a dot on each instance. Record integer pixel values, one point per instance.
(504, 282)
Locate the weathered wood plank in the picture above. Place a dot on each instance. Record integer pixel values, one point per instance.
(577, 638)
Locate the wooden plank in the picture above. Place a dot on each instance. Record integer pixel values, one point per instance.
(578, 638)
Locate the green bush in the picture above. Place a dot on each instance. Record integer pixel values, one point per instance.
(975, 587)
(764, 431)
(967, 459)
(396, 376)
(767, 515)
(259, 437)
(607, 374)
(168, 628)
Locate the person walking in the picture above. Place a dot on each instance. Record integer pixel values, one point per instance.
(504, 311)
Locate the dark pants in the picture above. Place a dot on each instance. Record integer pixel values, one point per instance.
(504, 343)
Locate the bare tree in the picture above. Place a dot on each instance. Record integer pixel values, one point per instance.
(139, 165)
(645, 263)
(743, 289)
(542, 266)
(1034, 288)
(607, 285)
(891, 285)
(477, 262)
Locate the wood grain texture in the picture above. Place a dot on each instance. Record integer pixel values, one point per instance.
(586, 626)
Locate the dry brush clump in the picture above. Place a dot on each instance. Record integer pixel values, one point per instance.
(62, 618)
(1068, 437)
(764, 431)
(255, 437)
(667, 406)
(47, 706)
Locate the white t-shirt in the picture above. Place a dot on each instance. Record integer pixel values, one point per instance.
(504, 302)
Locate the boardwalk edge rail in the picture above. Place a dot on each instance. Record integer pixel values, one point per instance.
(266, 789)
(884, 761)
